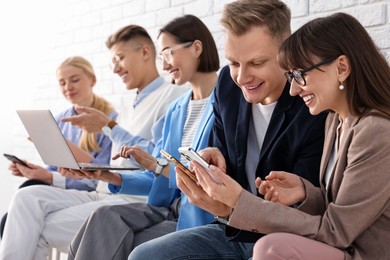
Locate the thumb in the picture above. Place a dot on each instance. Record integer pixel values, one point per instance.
(275, 175)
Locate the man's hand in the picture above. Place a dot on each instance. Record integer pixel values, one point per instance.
(89, 119)
(226, 191)
(213, 156)
(197, 196)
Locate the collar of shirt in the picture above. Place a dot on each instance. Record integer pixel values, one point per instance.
(152, 86)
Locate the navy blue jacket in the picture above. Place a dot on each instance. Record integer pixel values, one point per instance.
(293, 141)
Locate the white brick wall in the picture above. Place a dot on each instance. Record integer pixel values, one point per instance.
(80, 27)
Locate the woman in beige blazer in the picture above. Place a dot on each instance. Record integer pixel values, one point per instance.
(333, 65)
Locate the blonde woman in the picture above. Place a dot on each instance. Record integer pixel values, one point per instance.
(76, 79)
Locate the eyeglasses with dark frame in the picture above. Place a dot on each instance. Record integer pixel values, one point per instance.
(299, 75)
(167, 54)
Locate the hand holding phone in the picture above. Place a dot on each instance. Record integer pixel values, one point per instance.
(190, 154)
(179, 165)
(15, 159)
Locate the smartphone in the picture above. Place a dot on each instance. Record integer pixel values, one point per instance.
(15, 159)
(179, 165)
(190, 154)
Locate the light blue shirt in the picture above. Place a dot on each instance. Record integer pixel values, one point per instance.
(162, 191)
(152, 86)
(73, 134)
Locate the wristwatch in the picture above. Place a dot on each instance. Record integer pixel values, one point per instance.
(107, 128)
(161, 163)
(223, 220)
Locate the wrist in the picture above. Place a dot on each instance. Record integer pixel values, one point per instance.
(153, 167)
(161, 163)
(223, 220)
(107, 128)
(114, 178)
(50, 178)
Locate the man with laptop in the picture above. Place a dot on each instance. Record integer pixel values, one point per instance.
(44, 217)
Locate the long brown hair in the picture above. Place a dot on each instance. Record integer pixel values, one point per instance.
(88, 141)
(367, 86)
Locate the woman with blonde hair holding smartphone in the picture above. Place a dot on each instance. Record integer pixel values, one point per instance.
(76, 79)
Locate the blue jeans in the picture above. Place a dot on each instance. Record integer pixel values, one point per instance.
(204, 242)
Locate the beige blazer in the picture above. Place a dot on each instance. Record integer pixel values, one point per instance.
(354, 212)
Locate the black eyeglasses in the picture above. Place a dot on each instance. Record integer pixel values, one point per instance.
(299, 75)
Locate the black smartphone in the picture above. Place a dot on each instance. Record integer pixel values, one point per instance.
(179, 165)
(15, 159)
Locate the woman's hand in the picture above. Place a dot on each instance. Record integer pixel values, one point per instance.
(14, 170)
(282, 187)
(35, 172)
(67, 173)
(101, 175)
(144, 159)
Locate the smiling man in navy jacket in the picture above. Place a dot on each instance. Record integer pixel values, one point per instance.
(258, 128)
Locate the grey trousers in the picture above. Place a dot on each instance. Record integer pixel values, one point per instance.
(112, 232)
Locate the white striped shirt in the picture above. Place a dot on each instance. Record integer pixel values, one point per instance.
(195, 112)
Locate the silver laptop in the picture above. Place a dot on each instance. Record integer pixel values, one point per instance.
(53, 147)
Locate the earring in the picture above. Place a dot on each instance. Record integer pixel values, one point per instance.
(341, 87)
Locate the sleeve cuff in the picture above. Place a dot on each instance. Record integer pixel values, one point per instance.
(58, 180)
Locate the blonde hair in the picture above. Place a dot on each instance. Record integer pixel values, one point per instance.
(88, 141)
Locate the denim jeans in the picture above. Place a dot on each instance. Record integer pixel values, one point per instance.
(204, 242)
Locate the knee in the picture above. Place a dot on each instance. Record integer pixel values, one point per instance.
(142, 251)
(30, 198)
(101, 212)
(268, 247)
(23, 196)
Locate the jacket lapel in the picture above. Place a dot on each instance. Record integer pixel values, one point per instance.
(330, 136)
(241, 138)
(329, 142)
(179, 114)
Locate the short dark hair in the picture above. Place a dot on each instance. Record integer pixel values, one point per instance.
(130, 32)
(367, 86)
(189, 28)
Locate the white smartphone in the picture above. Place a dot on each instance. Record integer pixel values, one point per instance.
(190, 154)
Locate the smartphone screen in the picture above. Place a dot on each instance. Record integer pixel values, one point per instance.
(15, 159)
(179, 165)
(190, 154)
